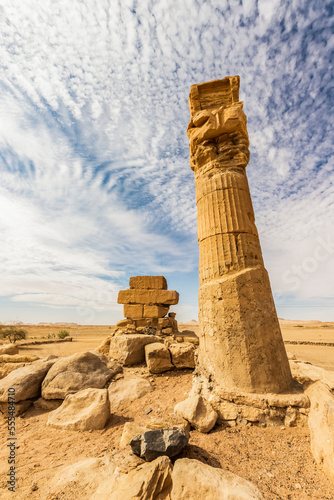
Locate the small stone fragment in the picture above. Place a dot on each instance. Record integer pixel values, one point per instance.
(198, 412)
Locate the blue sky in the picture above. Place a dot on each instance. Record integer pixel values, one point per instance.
(95, 183)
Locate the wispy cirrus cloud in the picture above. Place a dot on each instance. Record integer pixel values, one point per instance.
(95, 180)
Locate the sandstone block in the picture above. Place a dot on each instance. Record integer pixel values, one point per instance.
(167, 331)
(153, 444)
(74, 373)
(183, 355)
(158, 358)
(124, 323)
(155, 311)
(148, 297)
(18, 358)
(133, 311)
(26, 380)
(8, 349)
(147, 481)
(104, 347)
(306, 373)
(86, 410)
(194, 480)
(130, 349)
(130, 430)
(225, 409)
(321, 425)
(7, 368)
(126, 390)
(148, 282)
(150, 322)
(164, 322)
(198, 412)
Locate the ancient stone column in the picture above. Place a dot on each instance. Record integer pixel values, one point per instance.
(241, 346)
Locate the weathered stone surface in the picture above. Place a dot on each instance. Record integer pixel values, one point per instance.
(155, 311)
(75, 373)
(251, 414)
(194, 480)
(8, 349)
(183, 355)
(86, 410)
(26, 380)
(241, 344)
(147, 481)
(157, 358)
(124, 322)
(148, 282)
(47, 404)
(7, 368)
(225, 409)
(126, 390)
(20, 407)
(198, 412)
(134, 296)
(130, 430)
(133, 311)
(164, 322)
(18, 358)
(321, 424)
(153, 444)
(85, 475)
(130, 349)
(104, 347)
(306, 373)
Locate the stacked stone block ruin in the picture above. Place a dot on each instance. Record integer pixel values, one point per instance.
(146, 306)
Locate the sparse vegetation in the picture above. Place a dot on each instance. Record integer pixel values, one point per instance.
(12, 333)
(63, 333)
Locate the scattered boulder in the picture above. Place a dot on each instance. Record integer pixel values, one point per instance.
(183, 355)
(193, 479)
(321, 424)
(9, 349)
(153, 444)
(26, 380)
(126, 390)
(198, 412)
(86, 410)
(158, 358)
(129, 349)
(75, 373)
(18, 358)
(147, 481)
(307, 373)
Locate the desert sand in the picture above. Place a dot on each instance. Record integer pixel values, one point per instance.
(277, 459)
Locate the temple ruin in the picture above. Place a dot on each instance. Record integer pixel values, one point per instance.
(241, 346)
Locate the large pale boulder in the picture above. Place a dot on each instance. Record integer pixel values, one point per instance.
(75, 373)
(306, 373)
(147, 481)
(9, 349)
(198, 412)
(183, 355)
(321, 424)
(26, 381)
(157, 358)
(84, 411)
(78, 480)
(129, 349)
(194, 480)
(126, 390)
(153, 444)
(7, 368)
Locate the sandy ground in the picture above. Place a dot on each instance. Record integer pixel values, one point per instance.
(278, 460)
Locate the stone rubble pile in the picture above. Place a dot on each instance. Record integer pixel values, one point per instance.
(146, 305)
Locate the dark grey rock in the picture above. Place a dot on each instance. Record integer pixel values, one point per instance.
(153, 444)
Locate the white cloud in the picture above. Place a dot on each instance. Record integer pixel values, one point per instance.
(95, 176)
